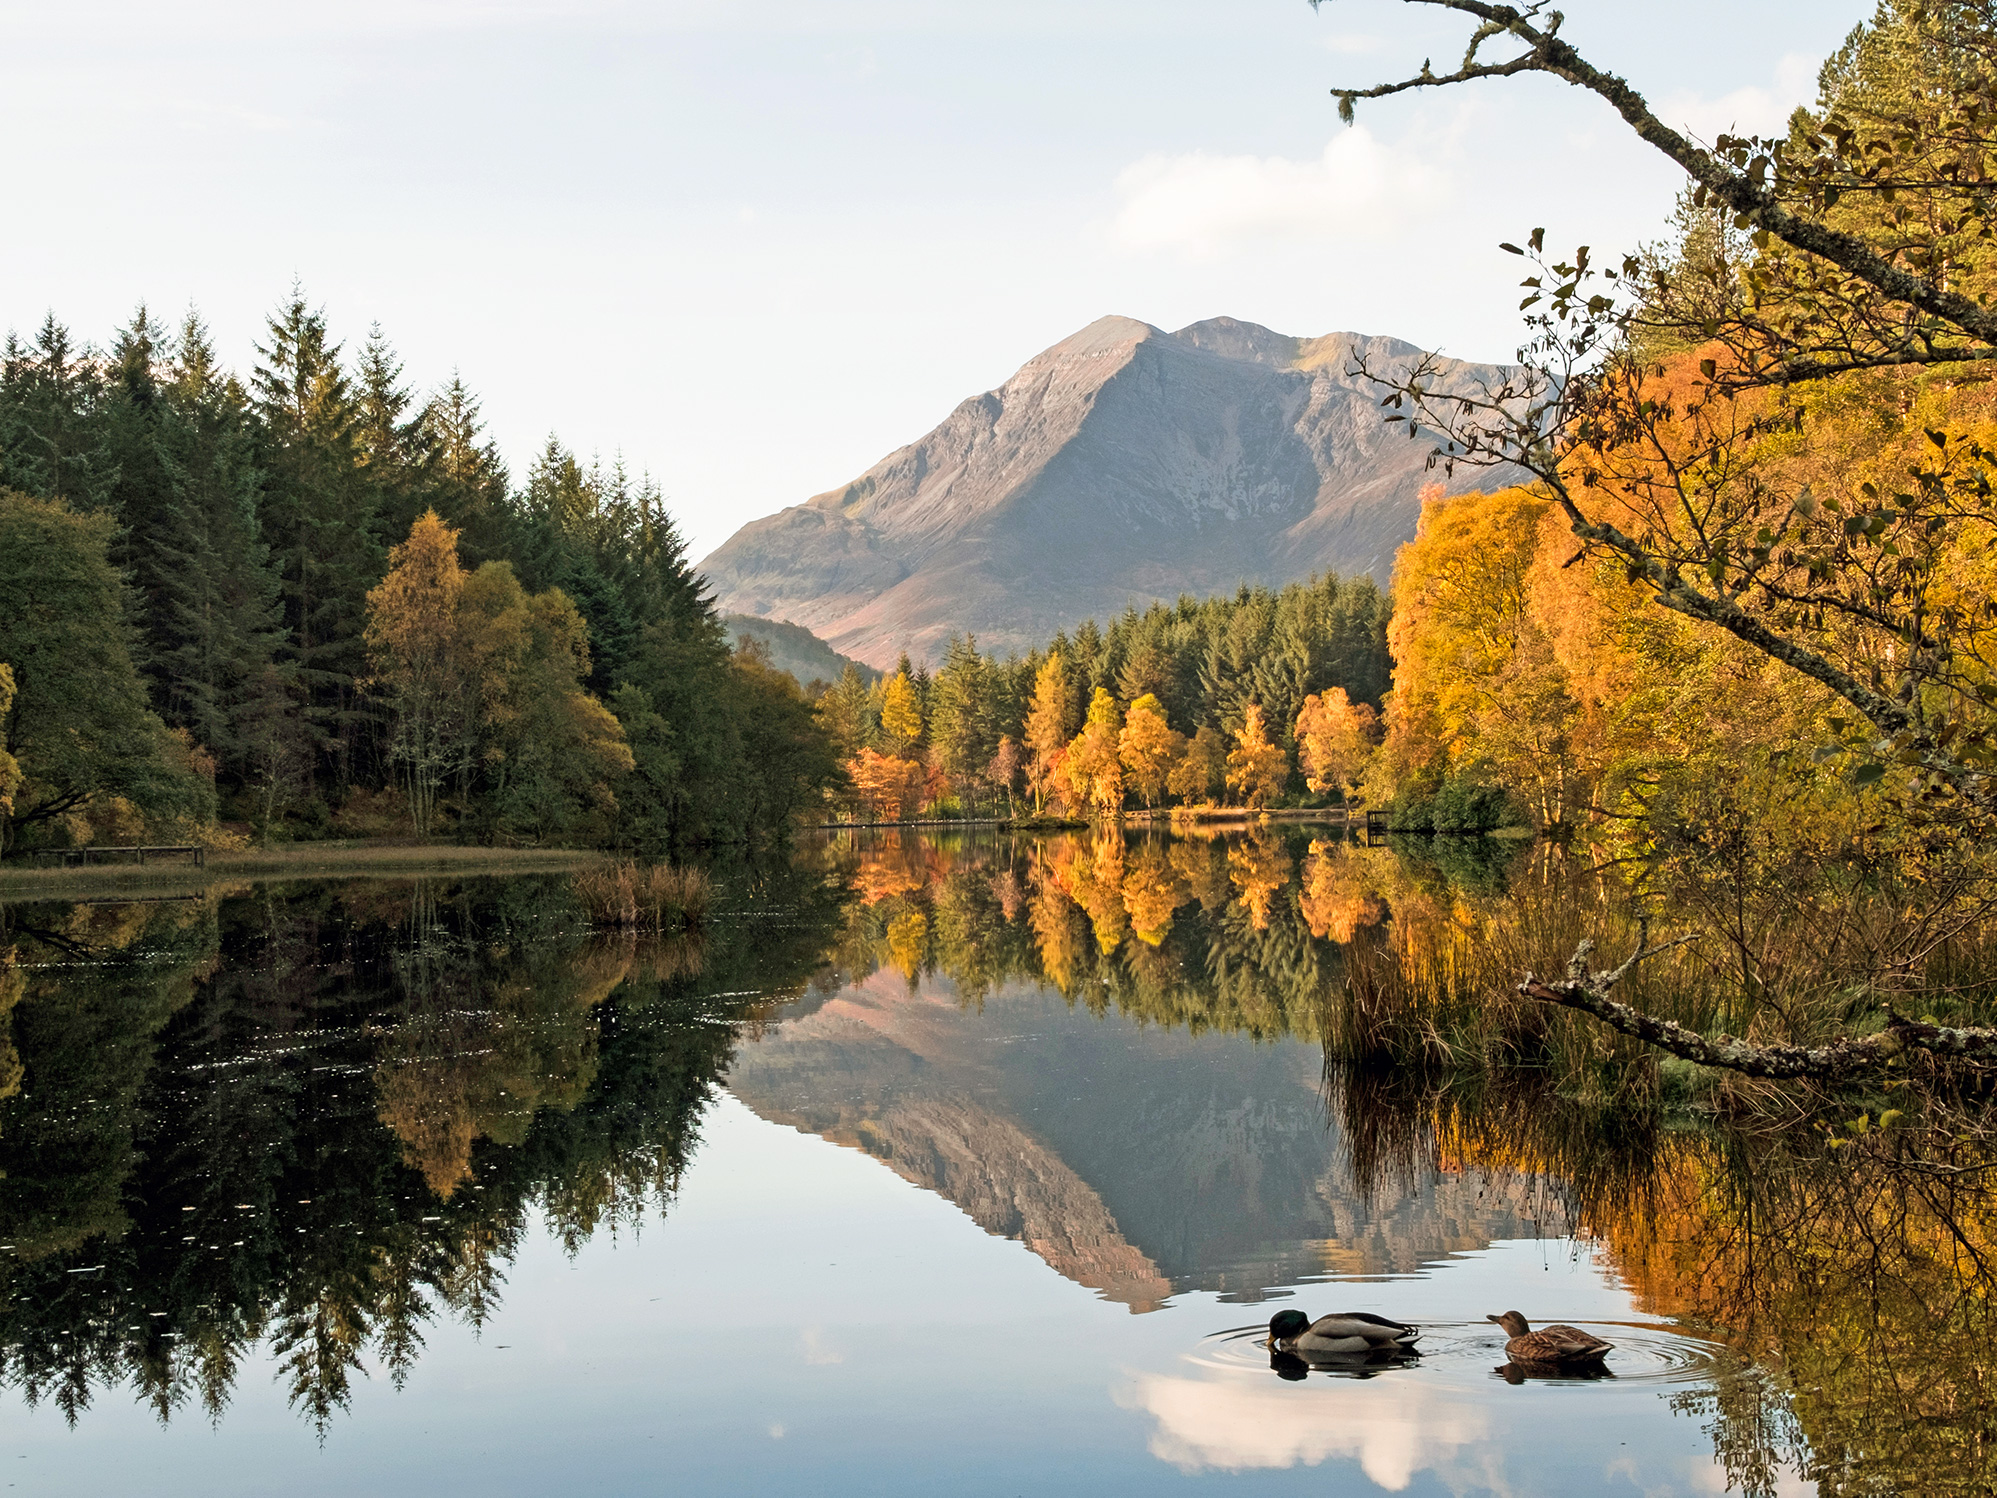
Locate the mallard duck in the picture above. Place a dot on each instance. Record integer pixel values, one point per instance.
(1344, 1332)
(1551, 1344)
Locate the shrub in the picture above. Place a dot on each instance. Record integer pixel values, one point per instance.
(658, 897)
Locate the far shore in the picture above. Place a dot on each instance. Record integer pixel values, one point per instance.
(355, 859)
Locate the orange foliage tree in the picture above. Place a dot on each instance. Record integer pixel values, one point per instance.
(1202, 770)
(1335, 740)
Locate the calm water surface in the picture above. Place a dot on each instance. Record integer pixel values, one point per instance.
(931, 1167)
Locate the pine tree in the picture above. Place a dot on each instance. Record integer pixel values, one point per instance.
(468, 479)
(219, 627)
(51, 436)
(393, 443)
(320, 516)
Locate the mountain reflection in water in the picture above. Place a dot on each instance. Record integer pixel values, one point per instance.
(312, 1126)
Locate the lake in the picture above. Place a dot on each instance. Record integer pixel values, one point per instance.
(969, 1164)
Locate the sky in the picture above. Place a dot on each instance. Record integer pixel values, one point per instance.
(754, 247)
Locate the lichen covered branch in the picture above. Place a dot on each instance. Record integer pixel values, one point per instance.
(1588, 991)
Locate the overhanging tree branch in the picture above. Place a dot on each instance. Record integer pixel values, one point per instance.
(1588, 991)
(1748, 192)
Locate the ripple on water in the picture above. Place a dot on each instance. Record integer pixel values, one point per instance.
(1467, 1352)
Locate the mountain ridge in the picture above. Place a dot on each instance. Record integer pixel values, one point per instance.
(1123, 464)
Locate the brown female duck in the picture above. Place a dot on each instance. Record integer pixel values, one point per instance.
(1550, 1344)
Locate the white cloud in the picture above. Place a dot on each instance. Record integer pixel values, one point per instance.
(1754, 110)
(1208, 205)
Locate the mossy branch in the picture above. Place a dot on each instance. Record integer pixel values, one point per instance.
(1588, 991)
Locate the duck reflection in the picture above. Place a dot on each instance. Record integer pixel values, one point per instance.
(1566, 1373)
(1298, 1366)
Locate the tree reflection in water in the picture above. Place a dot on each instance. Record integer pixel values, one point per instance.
(317, 1120)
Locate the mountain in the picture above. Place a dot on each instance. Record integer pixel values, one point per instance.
(1124, 464)
(1139, 1161)
(793, 648)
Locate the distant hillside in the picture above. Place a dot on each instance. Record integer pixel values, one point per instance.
(1124, 464)
(794, 648)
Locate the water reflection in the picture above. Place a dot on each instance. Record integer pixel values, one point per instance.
(316, 1124)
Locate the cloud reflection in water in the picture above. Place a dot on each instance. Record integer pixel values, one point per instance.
(1236, 1419)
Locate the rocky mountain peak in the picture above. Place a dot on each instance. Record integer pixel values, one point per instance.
(1120, 466)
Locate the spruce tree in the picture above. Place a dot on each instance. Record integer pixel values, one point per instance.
(393, 442)
(320, 514)
(468, 481)
(51, 435)
(219, 636)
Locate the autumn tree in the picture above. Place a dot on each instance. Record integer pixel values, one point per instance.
(1005, 769)
(1334, 740)
(1201, 773)
(10, 768)
(1150, 748)
(901, 715)
(1048, 729)
(1863, 246)
(887, 786)
(1256, 768)
(1093, 768)
(423, 665)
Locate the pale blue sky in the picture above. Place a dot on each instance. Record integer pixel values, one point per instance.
(756, 246)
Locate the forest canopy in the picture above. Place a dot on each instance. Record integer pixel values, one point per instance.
(314, 602)
(1143, 713)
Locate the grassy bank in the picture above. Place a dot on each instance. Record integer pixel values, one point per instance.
(328, 860)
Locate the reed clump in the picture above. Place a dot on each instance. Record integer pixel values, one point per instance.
(645, 897)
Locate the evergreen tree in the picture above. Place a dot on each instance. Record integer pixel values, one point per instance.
(51, 440)
(392, 441)
(219, 628)
(468, 479)
(320, 514)
(79, 728)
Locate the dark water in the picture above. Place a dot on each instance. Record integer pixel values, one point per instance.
(929, 1167)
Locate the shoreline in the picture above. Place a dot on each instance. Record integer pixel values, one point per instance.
(328, 860)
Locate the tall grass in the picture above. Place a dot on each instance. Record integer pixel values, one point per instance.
(655, 897)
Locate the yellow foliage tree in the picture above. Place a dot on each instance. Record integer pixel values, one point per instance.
(1048, 729)
(1150, 748)
(1335, 741)
(1256, 768)
(10, 768)
(485, 681)
(416, 644)
(1094, 765)
(901, 714)
(1201, 771)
